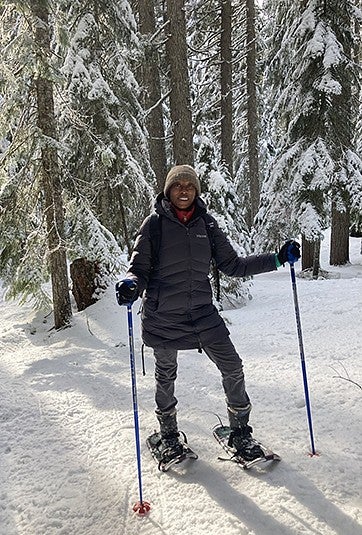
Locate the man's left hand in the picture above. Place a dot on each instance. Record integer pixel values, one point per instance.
(289, 252)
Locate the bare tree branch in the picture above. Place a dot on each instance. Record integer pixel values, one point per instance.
(347, 378)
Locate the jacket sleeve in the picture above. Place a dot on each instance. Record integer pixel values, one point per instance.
(233, 265)
(141, 259)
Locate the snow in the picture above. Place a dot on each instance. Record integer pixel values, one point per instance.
(67, 453)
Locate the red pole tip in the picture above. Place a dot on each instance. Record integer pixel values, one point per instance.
(315, 454)
(141, 508)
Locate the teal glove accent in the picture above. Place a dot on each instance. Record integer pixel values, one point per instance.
(277, 263)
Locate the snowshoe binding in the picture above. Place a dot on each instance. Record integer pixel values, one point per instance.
(170, 450)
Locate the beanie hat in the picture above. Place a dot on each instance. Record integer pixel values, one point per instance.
(182, 171)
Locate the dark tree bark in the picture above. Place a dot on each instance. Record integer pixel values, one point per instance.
(252, 113)
(307, 253)
(339, 251)
(316, 259)
(311, 256)
(83, 273)
(226, 87)
(152, 92)
(180, 103)
(345, 103)
(49, 169)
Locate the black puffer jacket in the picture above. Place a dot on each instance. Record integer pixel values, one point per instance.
(177, 306)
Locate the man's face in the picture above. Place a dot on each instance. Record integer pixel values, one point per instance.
(182, 194)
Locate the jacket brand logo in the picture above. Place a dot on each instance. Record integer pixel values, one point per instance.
(201, 236)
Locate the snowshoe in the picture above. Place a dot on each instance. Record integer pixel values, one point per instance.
(243, 450)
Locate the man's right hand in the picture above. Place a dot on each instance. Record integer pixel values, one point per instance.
(126, 291)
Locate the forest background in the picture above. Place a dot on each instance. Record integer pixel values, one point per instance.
(98, 100)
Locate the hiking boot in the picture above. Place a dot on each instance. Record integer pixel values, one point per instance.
(240, 436)
(168, 423)
(244, 444)
(170, 446)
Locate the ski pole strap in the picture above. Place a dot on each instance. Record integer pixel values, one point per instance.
(143, 359)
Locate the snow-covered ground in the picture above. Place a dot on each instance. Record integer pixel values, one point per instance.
(67, 453)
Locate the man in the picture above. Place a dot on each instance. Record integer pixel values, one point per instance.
(178, 312)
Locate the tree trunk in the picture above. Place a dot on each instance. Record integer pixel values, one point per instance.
(311, 256)
(226, 87)
(180, 103)
(152, 92)
(252, 112)
(316, 259)
(345, 101)
(83, 273)
(307, 253)
(49, 169)
(339, 252)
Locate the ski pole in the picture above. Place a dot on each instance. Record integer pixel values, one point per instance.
(141, 507)
(302, 357)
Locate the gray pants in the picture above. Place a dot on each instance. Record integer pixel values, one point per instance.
(223, 354)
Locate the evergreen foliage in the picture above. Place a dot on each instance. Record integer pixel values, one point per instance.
(106, 152)
(311, 111)
(23, 265)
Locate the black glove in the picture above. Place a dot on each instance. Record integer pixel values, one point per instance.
(289, 252)
(126, 291)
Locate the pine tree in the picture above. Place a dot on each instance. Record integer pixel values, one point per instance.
(252, 111)
(226, 89)
(32, 229)
(179, 83)
(49, 166)
(312, 121)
